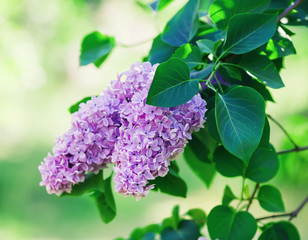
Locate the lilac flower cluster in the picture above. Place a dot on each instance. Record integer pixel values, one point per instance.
(150, 136)
(86, 147)
(118, 126)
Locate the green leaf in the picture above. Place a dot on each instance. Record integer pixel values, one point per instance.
(227, 164)
(257, 29)
(171, 184)
(171, 85)
(176, 214)
(280, 230)
(204, 7)
(202, 74)
(232, 72)
(75, 107)
(189, 54)
(280, 45)
(224, 223)
(105, 202)
(95, 48)
(204, 171)
(183, 26)
(270, 199)
(222, 10)
(206, 46)
(187, 229)
(203, 145)
(265, 139)
(240, 115)
(160, 51)
(212, 126)
(198, 215)
(145, 232)
(262, 68)
(92, 182)
(263, 165)
(159, 5)
(228, 196)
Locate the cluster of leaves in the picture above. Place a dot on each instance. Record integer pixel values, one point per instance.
(176, 227)
(231, 52)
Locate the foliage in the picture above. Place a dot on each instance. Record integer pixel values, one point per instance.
(231, 52)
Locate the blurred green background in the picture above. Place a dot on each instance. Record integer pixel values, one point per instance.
(40, 79)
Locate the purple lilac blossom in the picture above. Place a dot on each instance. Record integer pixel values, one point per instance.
(118, 126)
(86, 147)
(150, 137)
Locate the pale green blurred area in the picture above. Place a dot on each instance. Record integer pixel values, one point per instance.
(40, 79)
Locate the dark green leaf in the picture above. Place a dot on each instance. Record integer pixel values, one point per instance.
(198, 215)
(270, 199)
(189, 54)
(204, 171)
(280, 45)
(203, 145)
(171, 85)
(222, 10)
(265, 139)
(145, 232)
(227, 164)
(280, 230)
(263, 165)
(92, 182)
(183, 26)
(257, 29)
(206, 46)
(187, 229)
(95, 48)
(105, 202)
(160, 51)
(262, 68)
(240, 115)
(232, 72)
(224, 223)
(171, 184)
(228, 196)
(212, 126)
(75, 107)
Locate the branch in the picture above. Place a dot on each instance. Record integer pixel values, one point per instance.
(252, 196)
(283, 129)
(289, 9)
(291, 214)
(296, 149)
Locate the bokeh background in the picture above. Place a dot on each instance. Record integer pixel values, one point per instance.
(40, 78)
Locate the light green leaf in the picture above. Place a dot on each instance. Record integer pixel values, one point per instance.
(189, 54)
(198, 215)
(228, 196)
(206, 46)
(248, 31)
(95, 48)
(171, 85)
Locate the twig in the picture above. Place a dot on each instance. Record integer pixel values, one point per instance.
(291, 214)
(252, 196)
(284, 130)
(289, 9)
(296, 149)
